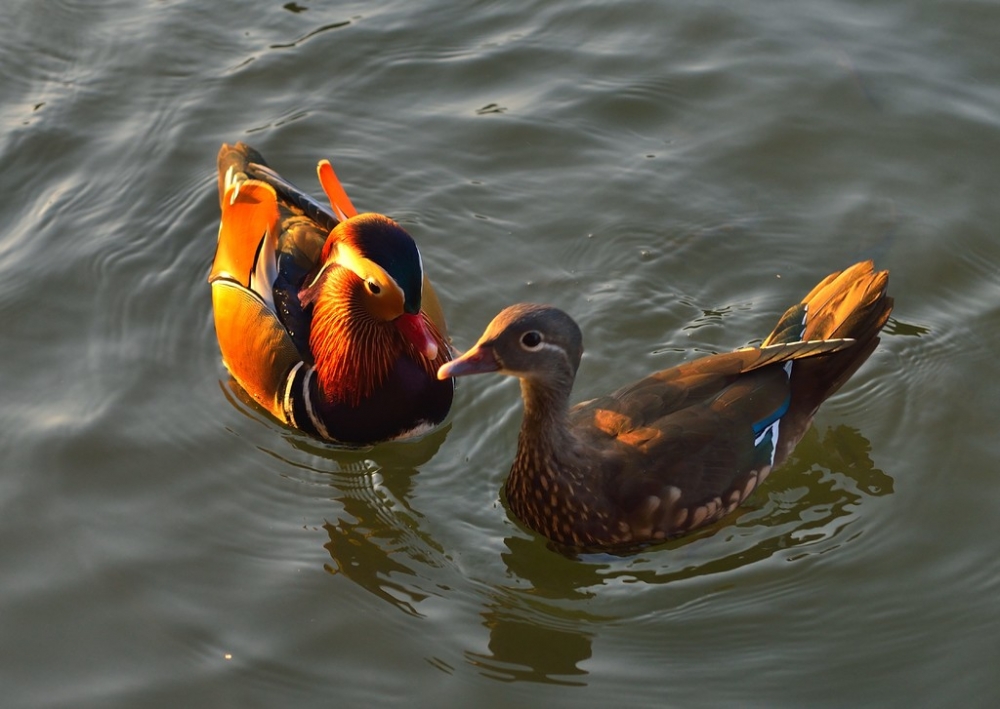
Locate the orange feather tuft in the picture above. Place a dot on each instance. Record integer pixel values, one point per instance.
(339, 200)
(247, 216)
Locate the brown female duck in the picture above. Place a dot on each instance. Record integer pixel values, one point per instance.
(324, 317)
(684, 446)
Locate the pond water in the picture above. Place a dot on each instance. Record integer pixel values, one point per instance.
(672, 174)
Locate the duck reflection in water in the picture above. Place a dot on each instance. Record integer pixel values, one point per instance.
(378, 540)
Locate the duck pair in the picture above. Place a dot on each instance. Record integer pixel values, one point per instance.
(326, 318)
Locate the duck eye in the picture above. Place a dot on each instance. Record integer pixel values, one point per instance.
(531, 340)
(373, 287)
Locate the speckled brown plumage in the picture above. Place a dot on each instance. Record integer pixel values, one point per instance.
(682, 447)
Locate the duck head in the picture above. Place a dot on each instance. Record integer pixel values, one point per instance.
(539, 344)
(366, 299)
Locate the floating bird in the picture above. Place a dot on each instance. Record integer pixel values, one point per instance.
(324, 316)
(683, 447)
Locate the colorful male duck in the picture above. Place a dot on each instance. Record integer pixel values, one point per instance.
(324, 317)
(682, 447)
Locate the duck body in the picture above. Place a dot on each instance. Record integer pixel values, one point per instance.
(684, 446)
(324, 316)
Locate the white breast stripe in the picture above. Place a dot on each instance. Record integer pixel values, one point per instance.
(306, 388)
(286, 401)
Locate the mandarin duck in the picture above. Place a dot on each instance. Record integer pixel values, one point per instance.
(682, 447)
(324, 316)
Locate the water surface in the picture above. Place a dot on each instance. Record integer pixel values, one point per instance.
(672, 174)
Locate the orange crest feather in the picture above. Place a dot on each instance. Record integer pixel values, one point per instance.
(339, 200)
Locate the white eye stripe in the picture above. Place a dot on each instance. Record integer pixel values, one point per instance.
(544, 346)
(528, 373)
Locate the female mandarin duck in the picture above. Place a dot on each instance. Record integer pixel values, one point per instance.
(682, 447)
(324, 317)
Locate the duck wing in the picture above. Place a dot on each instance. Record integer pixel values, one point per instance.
(687, 444)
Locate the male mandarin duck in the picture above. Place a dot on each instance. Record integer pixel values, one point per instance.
(684, 446)
(324, 317)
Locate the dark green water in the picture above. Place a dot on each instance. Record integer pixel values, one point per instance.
(672, 174)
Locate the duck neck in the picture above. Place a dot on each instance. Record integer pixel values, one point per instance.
(545, 412)
(547, 449)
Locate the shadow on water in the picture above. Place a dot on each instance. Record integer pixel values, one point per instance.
(526, 648)
(377, 540)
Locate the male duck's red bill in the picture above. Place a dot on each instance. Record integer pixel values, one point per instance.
(324, 317)
(684, 446)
